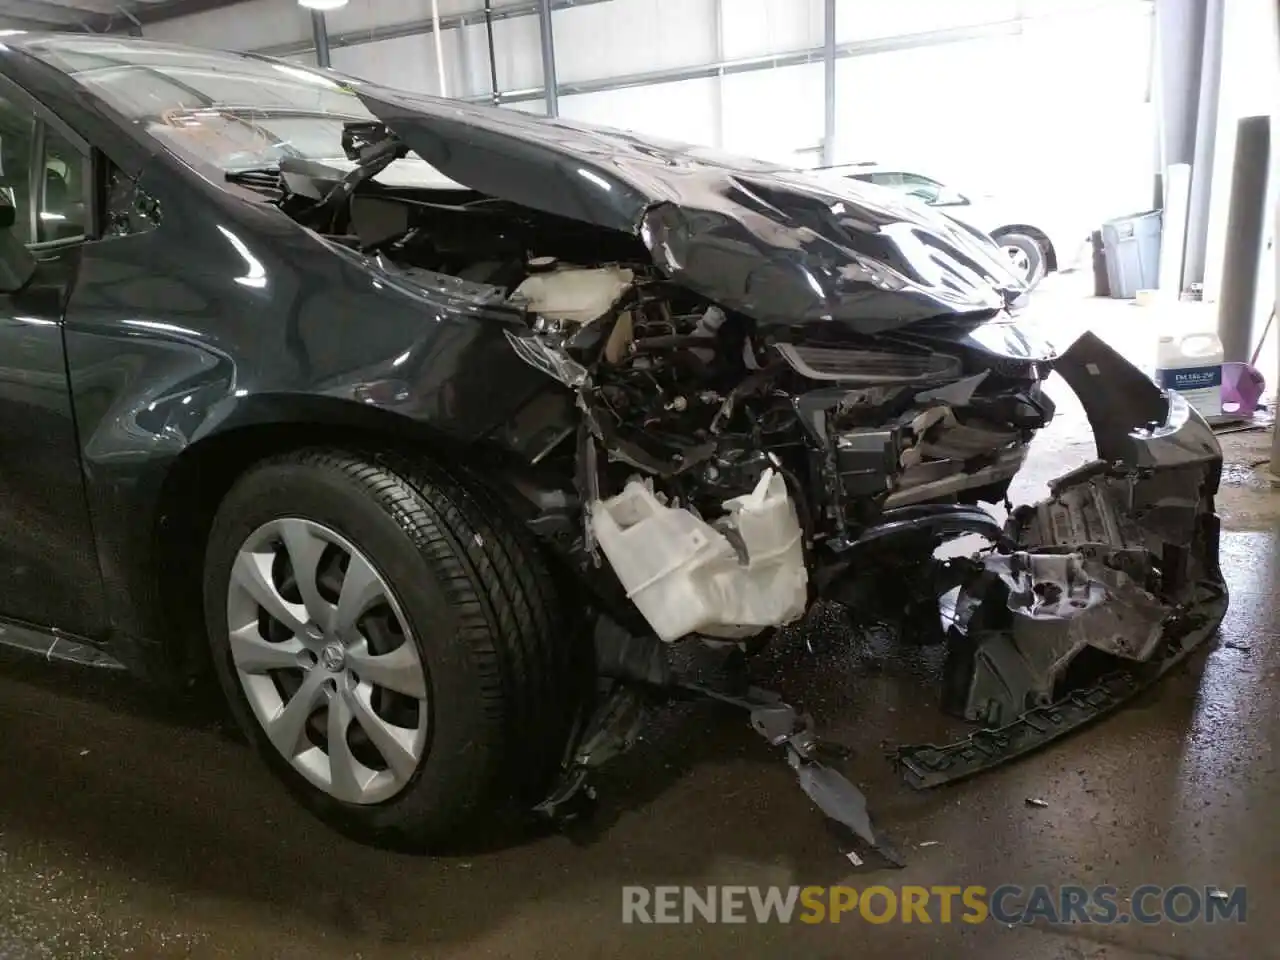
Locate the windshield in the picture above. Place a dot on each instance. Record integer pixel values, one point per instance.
(232, 111)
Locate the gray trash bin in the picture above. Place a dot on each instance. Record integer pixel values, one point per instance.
(1132, 250)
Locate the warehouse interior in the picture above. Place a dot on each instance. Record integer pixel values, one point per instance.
(138, 826)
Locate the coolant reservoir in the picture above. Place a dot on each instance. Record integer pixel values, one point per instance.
(574, 295)
(686, 577)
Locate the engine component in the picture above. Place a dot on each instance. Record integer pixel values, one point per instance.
(689, 577)
(573, 295)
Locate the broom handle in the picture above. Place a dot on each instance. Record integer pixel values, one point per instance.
(1253, 361)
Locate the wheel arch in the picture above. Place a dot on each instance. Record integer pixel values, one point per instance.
(1036, 234)
(201, 475)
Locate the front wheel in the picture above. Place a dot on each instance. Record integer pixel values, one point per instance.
(389, 641)
(1026, 256)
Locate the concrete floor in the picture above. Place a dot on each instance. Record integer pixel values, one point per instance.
(128, 829)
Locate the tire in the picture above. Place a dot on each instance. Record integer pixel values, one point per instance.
(461, 587)
(1027, 250)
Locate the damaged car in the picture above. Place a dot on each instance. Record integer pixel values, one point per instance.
(433, 431)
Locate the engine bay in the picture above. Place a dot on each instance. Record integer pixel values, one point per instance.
(699, 398)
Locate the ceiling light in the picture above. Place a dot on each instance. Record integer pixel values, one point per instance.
(322, 4)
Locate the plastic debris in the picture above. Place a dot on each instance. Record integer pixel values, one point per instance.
(1036, 802)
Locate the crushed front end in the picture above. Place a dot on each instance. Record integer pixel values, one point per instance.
(765, 390)
(730, 480)
(837, 471)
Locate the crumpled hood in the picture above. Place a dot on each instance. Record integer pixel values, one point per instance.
(779, 245)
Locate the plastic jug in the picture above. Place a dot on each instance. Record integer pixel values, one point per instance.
(1191, 364)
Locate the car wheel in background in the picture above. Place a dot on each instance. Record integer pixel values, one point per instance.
(1025, 254)
(391, 643)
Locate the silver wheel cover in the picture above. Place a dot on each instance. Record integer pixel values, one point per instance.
(326, 660)
(1021, 262)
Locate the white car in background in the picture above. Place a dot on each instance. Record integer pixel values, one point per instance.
(1034, 247)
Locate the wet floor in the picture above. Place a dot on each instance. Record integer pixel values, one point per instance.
(129, 828)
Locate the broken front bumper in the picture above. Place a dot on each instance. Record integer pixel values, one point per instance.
(1121, 559)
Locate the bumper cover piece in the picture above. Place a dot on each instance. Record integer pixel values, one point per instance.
(1121, 559)
(926, 766)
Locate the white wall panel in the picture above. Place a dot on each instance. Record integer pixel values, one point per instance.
(1039, 8)
(891, 108)
(363, 14)
(632, 36)
(410, 62)
(1074, 147)
(268, 23)
(775, 114)
(874, 19)
(518, 51)
(754, 28)
(538, 107)
(1090, 127)
(246, 26)
(684, 111)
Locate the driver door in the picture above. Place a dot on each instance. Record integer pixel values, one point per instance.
(49, 573)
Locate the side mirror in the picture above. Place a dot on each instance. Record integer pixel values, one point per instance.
(17, 265)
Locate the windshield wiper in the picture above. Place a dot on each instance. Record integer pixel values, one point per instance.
(265, 180)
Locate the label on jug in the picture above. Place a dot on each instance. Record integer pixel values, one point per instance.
(1201, 386)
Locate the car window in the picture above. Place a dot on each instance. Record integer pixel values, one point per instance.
(920, 187)
(61, 212)
(887, 179)
(50, 205)
(924, 189)
(17, 137)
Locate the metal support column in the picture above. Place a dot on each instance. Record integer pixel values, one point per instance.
(1246, 218)
(320, 32)
(493, 56)
(829, 82)
(548, 59)
(1205, 141)
(438, 42)
(717, 95)
(1179, 32)
(1275, 439)
(135, 25)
